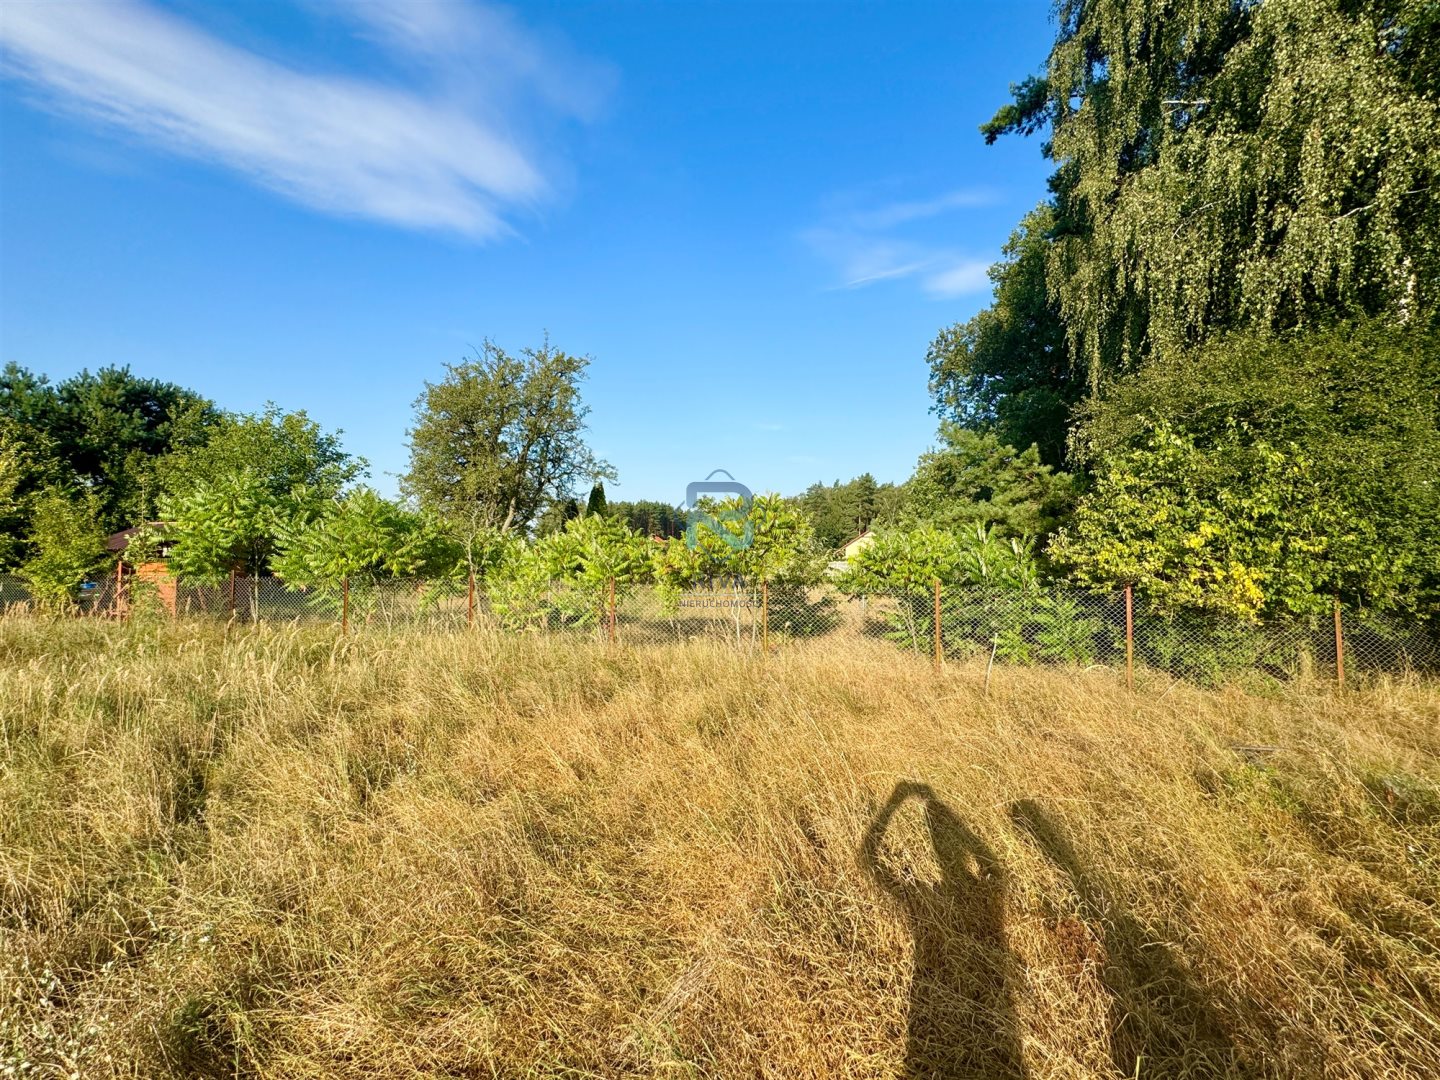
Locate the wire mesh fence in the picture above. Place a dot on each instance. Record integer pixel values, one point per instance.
(1039, 626)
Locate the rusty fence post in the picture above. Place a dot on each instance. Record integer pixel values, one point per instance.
(612, 611)
(117, 603)
(1130, 637)
(345, 604)
(939, 646)
(1339, 650)
(765, 617)
(470, 609)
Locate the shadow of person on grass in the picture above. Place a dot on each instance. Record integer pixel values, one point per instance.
(1161, 1023)
(962, 1022)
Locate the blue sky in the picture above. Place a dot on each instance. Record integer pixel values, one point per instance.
(753, 216)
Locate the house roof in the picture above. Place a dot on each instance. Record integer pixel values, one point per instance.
(121, 540)
(846, 546)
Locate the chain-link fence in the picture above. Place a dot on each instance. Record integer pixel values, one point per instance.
(1041, 626)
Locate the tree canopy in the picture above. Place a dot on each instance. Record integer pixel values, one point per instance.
(1265, 476)
(973, 478)
(1224, 164)
(500, 438)
(1008, 369)
(102, 433)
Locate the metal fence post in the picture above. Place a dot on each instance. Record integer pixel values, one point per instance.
(939, 647)
(1339, 649)
(1130, 637)
(345, 604)
(470, 610)
(612, 611)
(765, 616)
(232, 592)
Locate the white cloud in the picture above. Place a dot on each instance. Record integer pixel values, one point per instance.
(899, 213)
(481, 48)
(965, 276)
(866, 246)
(443, 156)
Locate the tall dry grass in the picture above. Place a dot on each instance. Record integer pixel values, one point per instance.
(274, 853)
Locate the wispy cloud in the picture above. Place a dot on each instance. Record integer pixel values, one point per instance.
(867, 245)
(438, 150)
(899, 213)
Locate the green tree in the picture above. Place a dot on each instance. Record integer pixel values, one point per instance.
(650, 517)
(285, 453)
(596, 503)
(565, 578)
(1227, 165)
(592, 551)
(974, 478)
(367, 538)
(26, 468)
(839, 512)
(258, 478)
(910, 561)
(905, 564)
(105, 432)
(231, 523)
(115, 427)
(67, 542)
(769, 541)
(1008, 369)
(1266, 476)
(500, 438)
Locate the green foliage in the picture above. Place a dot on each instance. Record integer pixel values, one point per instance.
(650, 517)
(1267, 477)
(500, 438)
(904, 565)
(565, 578)
(592, 551)
(283, 452)
(230, 523)
(596, 503)
(366, 538)
(781, 549)
(781, 552)
(1225, 165)
(1021, 626)
(975, 479)
(521, 593)
(104, 432)
(840, 512)
(1206, 646)
(258, 478)
(17, 468)
(1239, 529)
(146, 543)
(911, 561)
(1008, 369)
(68, 545)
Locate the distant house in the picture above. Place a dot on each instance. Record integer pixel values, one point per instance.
(154, 568)
(848, 551)
(854, 547)
(119, 542)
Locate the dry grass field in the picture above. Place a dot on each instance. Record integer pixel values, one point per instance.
(278, 854)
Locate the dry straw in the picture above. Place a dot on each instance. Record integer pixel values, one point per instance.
(268, 853)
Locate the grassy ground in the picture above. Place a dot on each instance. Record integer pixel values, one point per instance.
(277, 854)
